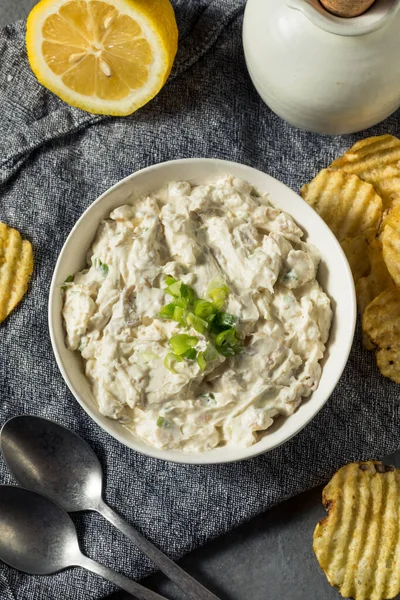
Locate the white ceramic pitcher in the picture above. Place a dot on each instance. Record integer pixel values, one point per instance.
(320, 72)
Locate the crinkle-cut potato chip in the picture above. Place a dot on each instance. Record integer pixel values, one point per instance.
(16, 266)
(377, 161)
(381, 320)
(388, 360)
(391, 252)
(348, 205)
(377, 280)
(358, 543)
(392, 218)
(356, 251)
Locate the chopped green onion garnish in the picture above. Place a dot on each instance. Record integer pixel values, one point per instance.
(218, 291)
(221, 322)
(182, 302)
(174, 289)
(201, 361)
(184, 290)
(161, 422)
(174, 310)
(224, 319)
(210, 353)
(219, 296)
(69, 279)
(217, 282)
(167, 311)
(100, 266)
(203, 316)
(226, 338)
(179, 315)
(226, 350)
(190, 354)
(190, 295)
(187, 292)
(204, 309)
(182, 342)
(197, 323)
(169, 280)
(177, 289)
(169, 361)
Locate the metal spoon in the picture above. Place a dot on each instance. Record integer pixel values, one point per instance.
(38, 537)
(48, 458)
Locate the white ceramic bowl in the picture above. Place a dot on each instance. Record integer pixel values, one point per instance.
(334, 275)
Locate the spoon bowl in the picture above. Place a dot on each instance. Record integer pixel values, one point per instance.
(53, 460)
(38, 541)
(38, 537)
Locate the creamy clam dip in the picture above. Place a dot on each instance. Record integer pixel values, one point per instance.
(199, 316)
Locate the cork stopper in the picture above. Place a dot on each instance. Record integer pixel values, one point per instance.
(347, 8)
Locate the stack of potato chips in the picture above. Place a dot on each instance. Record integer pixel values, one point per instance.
(358, 197)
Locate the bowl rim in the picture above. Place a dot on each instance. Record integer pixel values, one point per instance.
(179, 457)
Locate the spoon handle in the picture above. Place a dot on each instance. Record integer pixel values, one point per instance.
(137, 590)
(192, 588)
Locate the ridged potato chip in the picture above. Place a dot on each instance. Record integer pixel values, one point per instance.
(358, 197)
(348, 205)
(16, 266)
(378, 279)
(381, 320)
(391, 252)
(356, 251)
(392, 218)
(388, 360)
(377, 161)
(358, 543)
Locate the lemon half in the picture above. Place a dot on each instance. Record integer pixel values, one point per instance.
(104, 57)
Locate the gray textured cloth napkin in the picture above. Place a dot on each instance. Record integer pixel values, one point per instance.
(54, 161)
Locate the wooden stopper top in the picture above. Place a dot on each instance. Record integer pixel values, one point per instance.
(347, 8)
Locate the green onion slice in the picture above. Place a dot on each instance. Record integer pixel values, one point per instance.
(100, 266)
(225, 320)
(218, 296)
(179, 315)
(197, 323)
(174, 289)
(69, 279)
(190, 295)
(226, 350)
(218, 291)
(169, 361)
(167, 311)
(177, 289)
(210, 353)
(169, 280)
(204, 309)
(182, 342)
(190, 354)
(161, 422)
(201, 361)
(226, 338)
